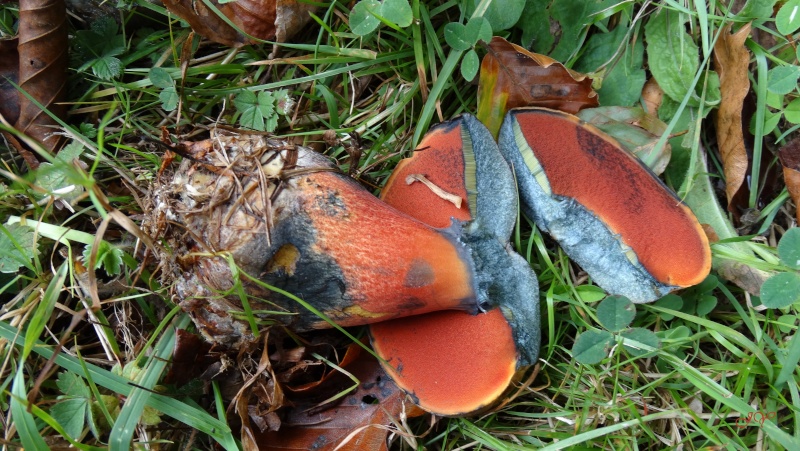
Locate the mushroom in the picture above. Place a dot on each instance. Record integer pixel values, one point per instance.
(608, 212)
(289, 219)
(451, 362)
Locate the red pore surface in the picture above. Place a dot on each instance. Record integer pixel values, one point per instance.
(440, 159)
(393, 264)
(451, 362)
(583, 163)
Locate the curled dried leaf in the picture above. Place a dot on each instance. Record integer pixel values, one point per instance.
(358, 421)
(731, 60)
(43, 68)
(790, 159)
(513, 77)
(267, 20)
(9, 69)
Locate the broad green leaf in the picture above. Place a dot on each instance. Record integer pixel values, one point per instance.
(98, 48)
(107, 67)
(787, 21)
(787, 323)
(792, 111)
(781, 290)
(677, 333)
(670, 301)
(455, 34)
(600, 49)
(775, 100)
(710, 82)
(501, 14)
(470, 65)
(59, 176)
(642, 336)
(672, 56)
(169, 98)
(789, 248)
(623, 84)
(160, 78)
(783, 79)
(624, 77)
(397, 12)
(87, 130)
(109, 257)
(480, 29)
(705, 305)
(72, 385)
(362, 21)
(771, 120)
(71, 415)
(590, 293)
(574, 16)
(535, 26)
(615, 313)
(592, 346)
(17, 247)
(257, 111)
(757, 9)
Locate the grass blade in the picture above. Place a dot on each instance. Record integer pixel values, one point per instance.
(174, 408)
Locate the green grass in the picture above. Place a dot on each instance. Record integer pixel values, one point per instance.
(722, 355)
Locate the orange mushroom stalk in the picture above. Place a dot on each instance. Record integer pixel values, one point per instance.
(453, 363)
(285, 216)
(608, 212)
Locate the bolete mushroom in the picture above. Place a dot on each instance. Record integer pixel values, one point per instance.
(608, 212)
(451, 362)
(287, 217)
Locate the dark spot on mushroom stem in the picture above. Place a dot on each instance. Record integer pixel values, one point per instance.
(420, 274)
(410, 304)
(331, 204)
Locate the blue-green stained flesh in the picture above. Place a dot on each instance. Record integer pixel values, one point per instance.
(606, 210)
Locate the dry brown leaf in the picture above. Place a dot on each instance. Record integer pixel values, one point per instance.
(360, 421)
(269, 20)
(790, 159)
(652, 96)
(513, 77)
(731, 61)
(43, 67)
(9, 69)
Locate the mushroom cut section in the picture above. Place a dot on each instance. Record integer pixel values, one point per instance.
(300, 230)
(608, 212)
(451, 362)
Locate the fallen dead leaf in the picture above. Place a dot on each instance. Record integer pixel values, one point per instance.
(9, 69)
(790, 159)
(513, 77)
(731, 61)
(652, 96)
(359, 421)
(43, 73)
(262, 19)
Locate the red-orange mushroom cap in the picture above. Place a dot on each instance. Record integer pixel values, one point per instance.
(451, 362)
(611, 215)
